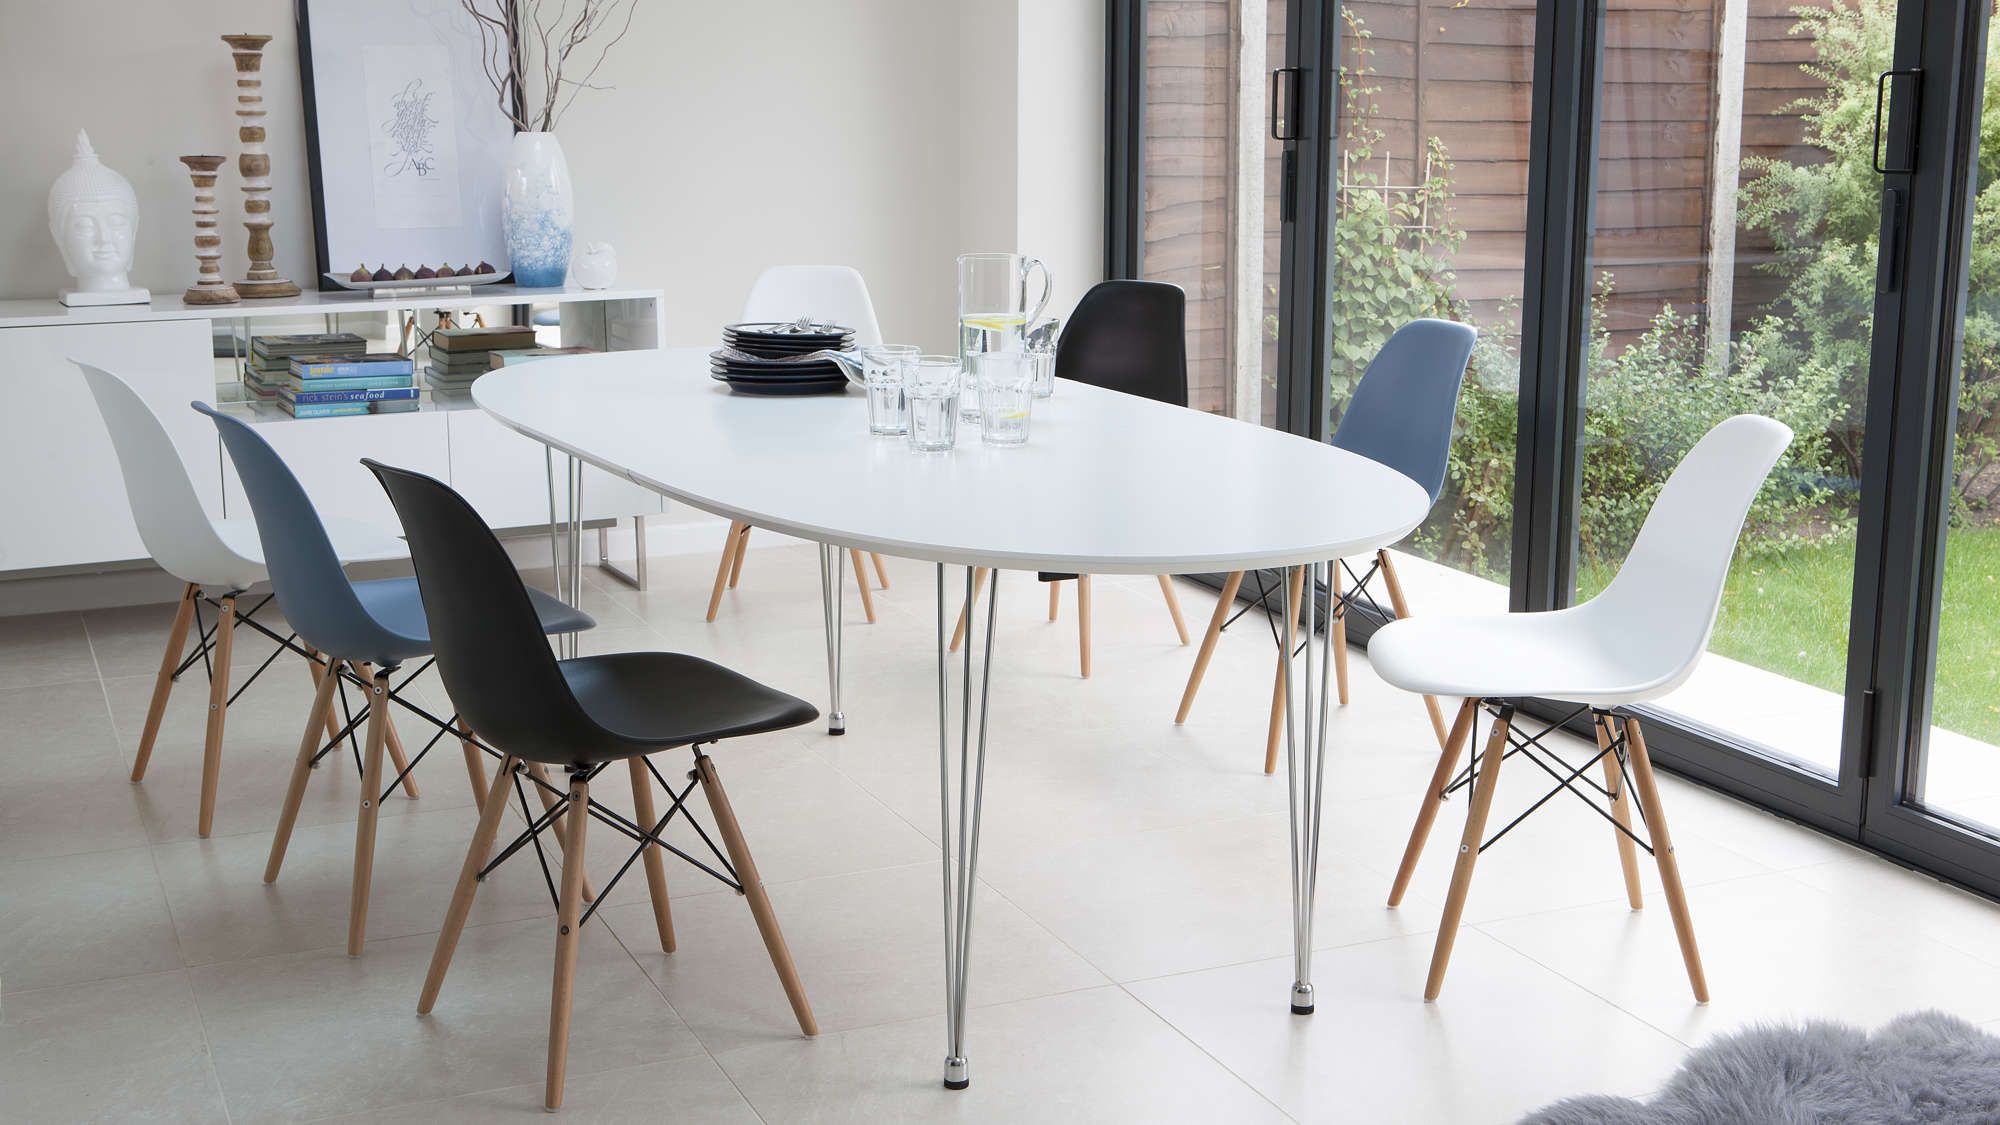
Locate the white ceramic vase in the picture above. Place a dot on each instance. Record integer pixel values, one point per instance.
(537, 210)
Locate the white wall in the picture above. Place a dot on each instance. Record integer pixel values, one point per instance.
(150, 82)
(890, 135)
(885, 134)
(1059, 183)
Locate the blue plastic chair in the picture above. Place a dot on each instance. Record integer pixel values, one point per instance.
(1401, 416)
(372, 627)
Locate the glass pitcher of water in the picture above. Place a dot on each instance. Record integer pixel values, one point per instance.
(994, 310)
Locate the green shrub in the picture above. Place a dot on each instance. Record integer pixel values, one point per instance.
(1650, 400)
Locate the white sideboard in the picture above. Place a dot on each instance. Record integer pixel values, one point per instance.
(63, 508)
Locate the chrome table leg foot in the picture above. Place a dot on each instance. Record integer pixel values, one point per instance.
(1302, 998)
(961, 841)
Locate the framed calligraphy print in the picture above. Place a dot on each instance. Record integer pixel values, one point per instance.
(405, 142)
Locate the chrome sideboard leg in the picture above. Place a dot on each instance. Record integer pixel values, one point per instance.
(961, 843)
(1306, 712)
(832, 564)
(636, 577)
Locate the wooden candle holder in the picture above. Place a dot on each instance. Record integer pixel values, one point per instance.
(254, 165)
(210, 288)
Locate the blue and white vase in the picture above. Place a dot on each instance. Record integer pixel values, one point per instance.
(536, 211)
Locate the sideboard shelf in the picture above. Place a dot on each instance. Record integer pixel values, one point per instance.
(67, 512)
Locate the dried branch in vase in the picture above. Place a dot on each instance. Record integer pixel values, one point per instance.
(519, 36)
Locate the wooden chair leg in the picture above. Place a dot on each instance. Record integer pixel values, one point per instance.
(1454, 748)
(541, 773)
(1663, 854)
(1295, 581)
(163, 686)
(491, 811)
(1621, 811)
(731, 543)
(218, 710)
(861, 582)
(475, 763)
(569, 916)
(1174, 606)
(644, 815)
(394, 744)
(1055, 599)
(881, 572)
(753, 889)
(736, 563)
(295, 791)
(318, 665)
(371, 800)
(1402, 608)
(1083, 624)
(1468, 850)
(1208, 641)
(978, 584)
(1338, 625)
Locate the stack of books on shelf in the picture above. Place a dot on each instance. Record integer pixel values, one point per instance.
(270, 360)
(320, 386)
(460, 355)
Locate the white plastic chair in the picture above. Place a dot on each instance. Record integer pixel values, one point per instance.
(1638, 640)
(835, 295)
(201, 552)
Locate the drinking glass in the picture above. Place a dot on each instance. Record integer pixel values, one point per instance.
(931, 391)
(1006, 396)
(1040, 344)
(885, 369)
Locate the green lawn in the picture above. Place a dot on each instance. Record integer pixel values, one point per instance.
(1786, 611)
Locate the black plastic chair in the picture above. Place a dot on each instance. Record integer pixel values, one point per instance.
(582, 715)
(1125, 336)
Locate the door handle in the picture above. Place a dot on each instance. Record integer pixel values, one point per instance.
(1281, 109)
(1882, 81)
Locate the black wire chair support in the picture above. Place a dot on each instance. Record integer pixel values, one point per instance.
(1531, 747)
(549, 817)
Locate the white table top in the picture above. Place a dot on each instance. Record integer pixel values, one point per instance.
(1107, 484)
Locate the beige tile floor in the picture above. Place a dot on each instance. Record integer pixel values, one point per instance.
(1133, 948)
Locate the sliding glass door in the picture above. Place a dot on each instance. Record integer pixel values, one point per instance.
(1657, 216)
(1206, 173)
(1934, 765)
(1429, 191)
(1735, 227)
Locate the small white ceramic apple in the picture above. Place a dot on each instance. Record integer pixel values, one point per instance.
(596, 267)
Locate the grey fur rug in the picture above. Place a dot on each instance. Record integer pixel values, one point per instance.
(1925, 1067)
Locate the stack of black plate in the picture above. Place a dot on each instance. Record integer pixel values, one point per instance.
(769, 359)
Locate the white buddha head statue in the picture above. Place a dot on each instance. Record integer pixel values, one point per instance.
(94, 217)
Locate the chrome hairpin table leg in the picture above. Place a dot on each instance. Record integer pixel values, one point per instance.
(1306, 712)
(832, 560)
(961, 844)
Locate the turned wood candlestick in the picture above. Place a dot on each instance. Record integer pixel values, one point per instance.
(210, 288)
(254, 164)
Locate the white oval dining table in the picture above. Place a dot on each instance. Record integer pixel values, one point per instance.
(1107, 484)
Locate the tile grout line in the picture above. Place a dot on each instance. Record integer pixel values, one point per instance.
(706, 1052)
(1206, 1053)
